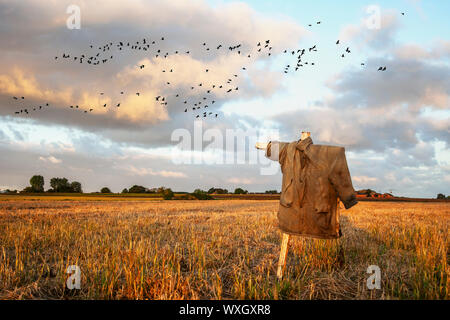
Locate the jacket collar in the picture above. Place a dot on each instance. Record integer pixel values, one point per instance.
(302, 145)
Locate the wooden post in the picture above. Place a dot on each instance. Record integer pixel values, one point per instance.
(283, 255)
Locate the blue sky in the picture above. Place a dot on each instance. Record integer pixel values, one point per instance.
(394, 125)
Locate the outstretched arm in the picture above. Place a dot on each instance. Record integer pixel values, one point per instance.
(274, 150)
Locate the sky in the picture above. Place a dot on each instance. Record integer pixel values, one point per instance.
(394, 124)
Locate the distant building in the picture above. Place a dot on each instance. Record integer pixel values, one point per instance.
(373, 194)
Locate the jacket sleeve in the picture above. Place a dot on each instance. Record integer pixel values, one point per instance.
(342, 182)
(276, 151)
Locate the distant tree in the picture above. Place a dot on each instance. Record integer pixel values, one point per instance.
(201, 195)
(60, 185)
(137, 189)
(27, 190)
(440, 196)
(76, 187)
(240, 191)
(63, 185)
(272, 192)
(161, 190)
(217, 191)
(37, 183)
(125, 190)
(167, 194)
(105, 190)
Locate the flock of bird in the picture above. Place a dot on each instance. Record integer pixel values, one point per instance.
(204, 95)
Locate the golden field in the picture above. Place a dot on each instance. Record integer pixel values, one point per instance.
(223, 249)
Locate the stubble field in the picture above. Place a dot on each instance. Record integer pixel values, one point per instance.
(223, 249)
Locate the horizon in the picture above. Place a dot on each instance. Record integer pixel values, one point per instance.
(153, 189)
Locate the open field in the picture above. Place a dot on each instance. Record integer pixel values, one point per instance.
(140, 249)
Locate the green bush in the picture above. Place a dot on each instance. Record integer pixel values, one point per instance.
(105, 190)
(240, 191)
(201, 195)
(137, 189)
(167, 194)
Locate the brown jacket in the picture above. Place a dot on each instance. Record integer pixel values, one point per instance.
(314, 176)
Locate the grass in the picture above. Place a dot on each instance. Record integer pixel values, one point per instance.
(139, 249)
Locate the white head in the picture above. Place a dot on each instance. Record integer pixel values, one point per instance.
(305, 135)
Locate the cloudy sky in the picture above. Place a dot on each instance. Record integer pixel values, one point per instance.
(393, 124)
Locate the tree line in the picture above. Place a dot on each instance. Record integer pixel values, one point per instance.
(59, 185)
(63, 185)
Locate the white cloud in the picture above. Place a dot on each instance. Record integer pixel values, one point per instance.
(440, 49)
(150, 172)
(185, 26)
(364, 180)
(239, 181)
(50, 159)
